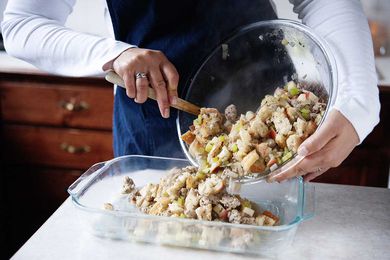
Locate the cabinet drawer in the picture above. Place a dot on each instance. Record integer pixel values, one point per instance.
(66, 148)
(57, 104)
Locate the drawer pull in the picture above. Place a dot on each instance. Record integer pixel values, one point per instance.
(72, 106)
(73, 149)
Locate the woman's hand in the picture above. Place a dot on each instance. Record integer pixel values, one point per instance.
(159, 73)
(326, 148)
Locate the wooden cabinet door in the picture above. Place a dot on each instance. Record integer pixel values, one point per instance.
(79, 106)
(56, 147)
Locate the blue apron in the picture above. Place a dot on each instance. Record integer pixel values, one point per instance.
(186, 31)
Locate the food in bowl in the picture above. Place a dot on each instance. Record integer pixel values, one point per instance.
(254, 142)
(189, 193)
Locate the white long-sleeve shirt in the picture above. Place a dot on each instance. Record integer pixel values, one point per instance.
(34, 31)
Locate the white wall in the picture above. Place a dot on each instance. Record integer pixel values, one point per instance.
(87, 16)
(2, 7)
(90, 21)
(284, 10)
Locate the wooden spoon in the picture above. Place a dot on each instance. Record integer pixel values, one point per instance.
(181, 104)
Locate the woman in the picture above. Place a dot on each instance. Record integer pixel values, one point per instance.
(156, 41)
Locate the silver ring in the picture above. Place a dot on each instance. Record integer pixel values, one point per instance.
(140, 75)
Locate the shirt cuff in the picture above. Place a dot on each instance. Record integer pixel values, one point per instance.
(113, 53)
(364, 117)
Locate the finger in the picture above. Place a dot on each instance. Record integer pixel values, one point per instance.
(142, 85)
(312, 175)
(129, 80)
(294, 171)
(309, 164)
(158, 83)
(319, 139)
(172, 77)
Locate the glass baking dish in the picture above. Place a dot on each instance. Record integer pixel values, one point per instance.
(292, 201)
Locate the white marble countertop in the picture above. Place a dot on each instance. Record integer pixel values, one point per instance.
(351, 222)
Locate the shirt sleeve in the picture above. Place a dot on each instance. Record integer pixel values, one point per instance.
(344, 26)
(34, 31)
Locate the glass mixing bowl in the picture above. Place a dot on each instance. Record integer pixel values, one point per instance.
(256, 60)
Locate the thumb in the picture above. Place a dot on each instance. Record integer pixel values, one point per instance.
(318, 140)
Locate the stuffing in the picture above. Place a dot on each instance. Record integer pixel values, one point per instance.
(263, 149)
(230, 201)
(258, 128)
(128, 186)
(281, 122)
(300, 127)
(265, 113)
(280, 140)
(292, 113)
(231, 113)
(211, 186)
(249, 160)
(204, 212)
(234, 216)
(208, 124)
(293, 142)
(253, 142)
(206, 199)
(192, 199)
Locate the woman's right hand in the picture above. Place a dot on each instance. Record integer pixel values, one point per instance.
(160, 73)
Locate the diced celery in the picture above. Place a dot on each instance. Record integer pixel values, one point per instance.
(287, 156)
(208, 147)
(246, 204)
(305, 112)
(198, 121)
(221, 138)
(215, 159)
(180, 201)
(182, 215)
(279, 160)
(293, 91)
(201, 175)
(238, 126)
(234, 148)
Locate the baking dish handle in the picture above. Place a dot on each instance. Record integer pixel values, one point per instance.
(88, 175)
(308, 205)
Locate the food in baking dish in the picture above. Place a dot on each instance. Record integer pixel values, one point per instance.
(189, 193)
(250, 143)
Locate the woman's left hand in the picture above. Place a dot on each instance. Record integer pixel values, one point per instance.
(326, 148)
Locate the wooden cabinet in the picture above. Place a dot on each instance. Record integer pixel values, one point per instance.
(56, 147)
(52, 129)
(69, 104)
(368, 164)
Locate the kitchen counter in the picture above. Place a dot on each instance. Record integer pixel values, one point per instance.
(351, 222)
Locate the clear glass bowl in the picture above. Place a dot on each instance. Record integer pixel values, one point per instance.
(253, 62)
(292, 201)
